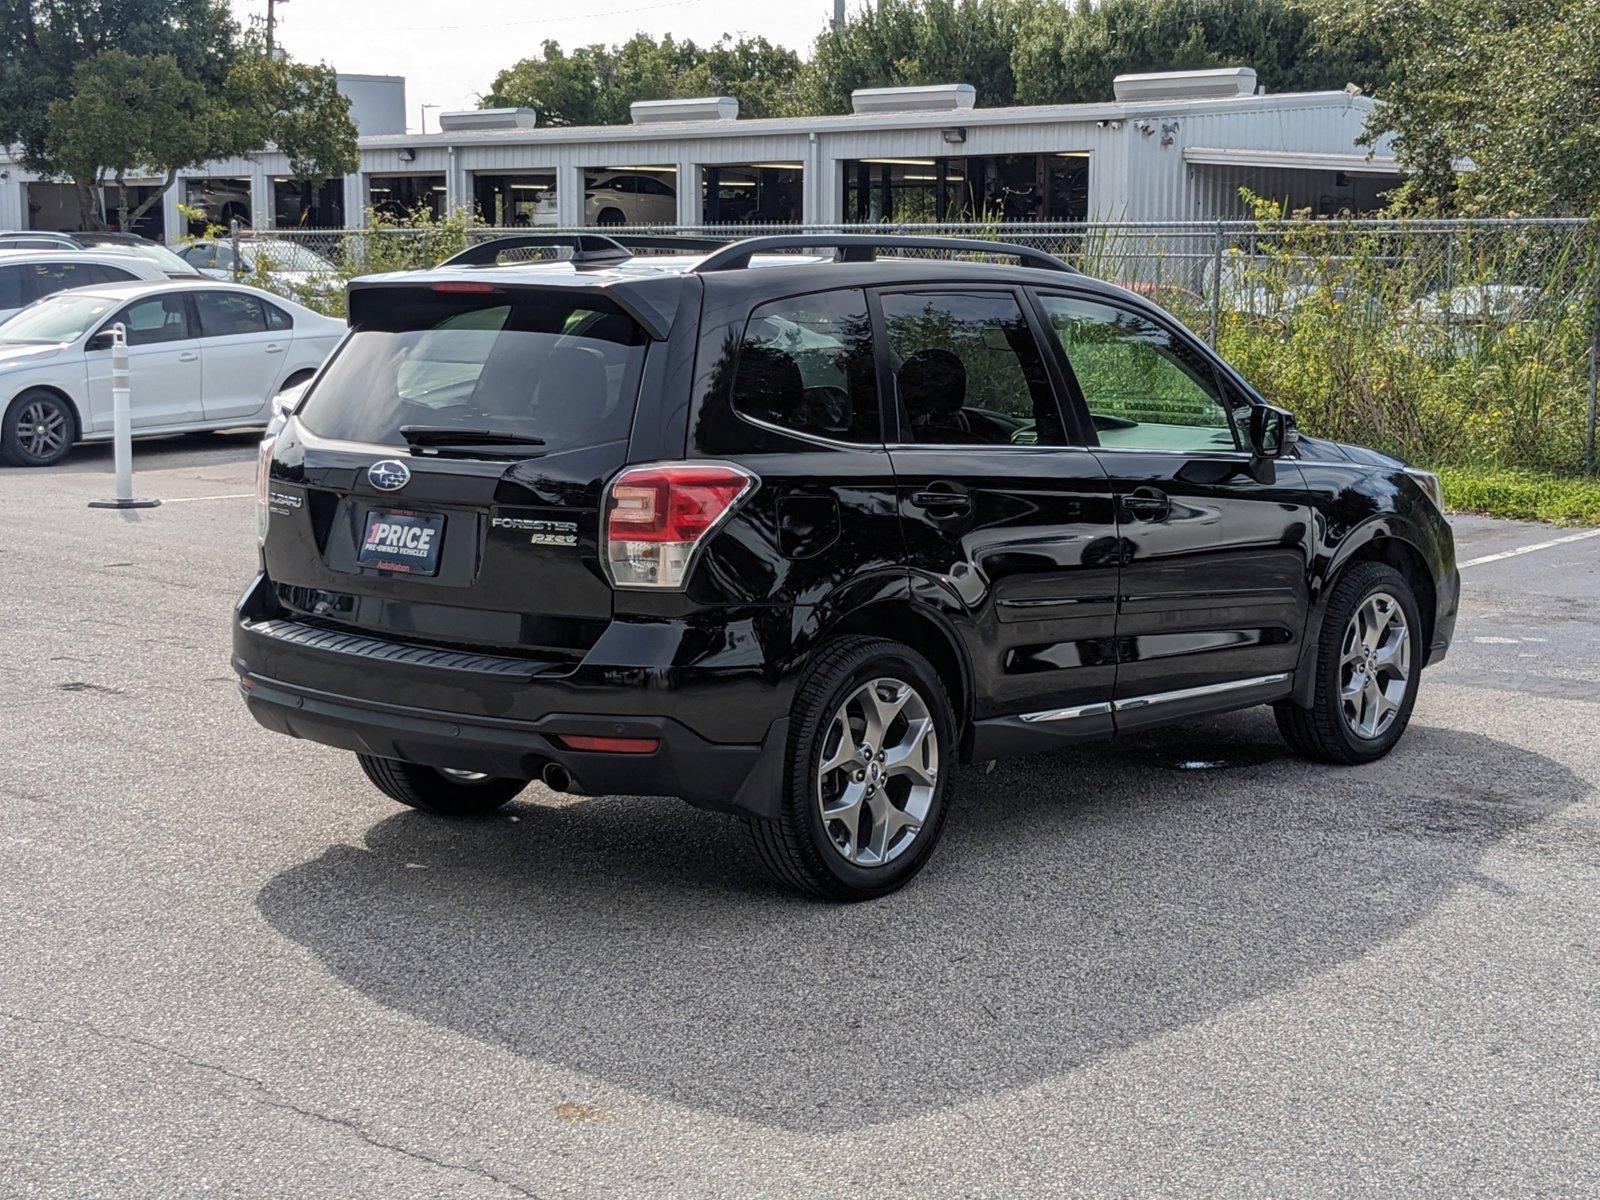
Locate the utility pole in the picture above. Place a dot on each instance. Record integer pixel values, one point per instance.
(272, 22)
(838, 15)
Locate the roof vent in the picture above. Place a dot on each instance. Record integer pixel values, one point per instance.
(1220, 84)
(932, 97)
(475, 119)
(700, 108)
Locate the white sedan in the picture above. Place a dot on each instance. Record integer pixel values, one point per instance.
(201, 355)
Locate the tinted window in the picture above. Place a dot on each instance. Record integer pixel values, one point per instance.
(1144, 387)
(50, 278)
(156, 320)
(229, 314)
(276, 317)
(806, 364)
(559, 368)
(199, 255)
(968, 371)
(11, 287)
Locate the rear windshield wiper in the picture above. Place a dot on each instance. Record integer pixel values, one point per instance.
(447, 439)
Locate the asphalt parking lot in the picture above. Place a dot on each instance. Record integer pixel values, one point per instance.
(1187, 965)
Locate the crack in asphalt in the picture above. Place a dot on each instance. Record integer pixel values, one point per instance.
(270, 1100)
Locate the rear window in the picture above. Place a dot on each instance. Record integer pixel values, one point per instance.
(551, 366)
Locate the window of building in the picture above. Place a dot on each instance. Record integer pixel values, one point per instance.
(968, 370)
(1017, 187)
(752, 193)
(221, 201)
(399, 196)
(1145, 388)
(630, 196)
(520, 200)
(806, 364)
(305, 204)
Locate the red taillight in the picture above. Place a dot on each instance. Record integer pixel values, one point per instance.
(609, 745)
(657, 515)
(464, 288)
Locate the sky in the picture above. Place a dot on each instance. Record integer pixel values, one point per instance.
(450, 53)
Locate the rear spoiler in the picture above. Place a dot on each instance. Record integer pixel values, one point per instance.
(599, 248)
(652, 303)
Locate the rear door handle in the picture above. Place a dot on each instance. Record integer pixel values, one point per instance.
(1147, 504)
(188, 356)
(942, 504)
(274, 349)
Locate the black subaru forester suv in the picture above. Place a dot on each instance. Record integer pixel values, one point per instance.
(789, 535)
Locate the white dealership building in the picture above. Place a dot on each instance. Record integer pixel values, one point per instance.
(1175, 146)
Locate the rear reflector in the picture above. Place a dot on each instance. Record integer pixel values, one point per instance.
(657, 516)
(609, 745)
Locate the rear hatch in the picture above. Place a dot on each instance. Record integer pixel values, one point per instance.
(441, 482)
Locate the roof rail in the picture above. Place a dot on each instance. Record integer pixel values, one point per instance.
(864, 247)
(585, 247)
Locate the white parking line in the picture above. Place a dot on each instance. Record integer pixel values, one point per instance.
(1560, 541)
(194, 499)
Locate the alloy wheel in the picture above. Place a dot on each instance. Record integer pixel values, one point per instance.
(42, 429)
(877, 772)
(1374, 665)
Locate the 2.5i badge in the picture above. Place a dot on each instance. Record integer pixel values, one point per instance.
(401, 540)
(541, 533)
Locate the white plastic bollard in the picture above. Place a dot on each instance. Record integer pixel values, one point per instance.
(122, 426)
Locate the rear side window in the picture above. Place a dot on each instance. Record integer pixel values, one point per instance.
(229, 314)
(968, 371)
(554, 366)
(276, 317)
(50, 278)
(806, 364)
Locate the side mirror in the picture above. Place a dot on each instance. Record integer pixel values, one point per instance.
(1272, 431)
(100, 341)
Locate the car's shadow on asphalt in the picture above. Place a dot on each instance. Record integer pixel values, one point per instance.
(1080, 903)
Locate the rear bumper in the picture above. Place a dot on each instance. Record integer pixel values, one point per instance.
(505, 716)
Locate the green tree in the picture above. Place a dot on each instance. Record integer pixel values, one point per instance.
(594, 85)
(1040, 52)
(96, 90)
(1067, 55)
(124, 112)
(904, 42)
(1507, 88)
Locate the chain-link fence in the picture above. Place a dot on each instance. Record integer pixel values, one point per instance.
(1451, 342)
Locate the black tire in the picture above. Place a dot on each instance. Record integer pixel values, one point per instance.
(433, 792)
(1321, 732)
(611, 217)
(797, 848)
(15, 448)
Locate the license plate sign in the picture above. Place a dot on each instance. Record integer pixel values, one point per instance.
(398, 539)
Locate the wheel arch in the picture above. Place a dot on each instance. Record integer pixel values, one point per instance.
(912, 623)
(1388, 541)
(61, 394)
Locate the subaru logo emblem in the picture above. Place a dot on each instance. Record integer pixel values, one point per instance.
(390, 475)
